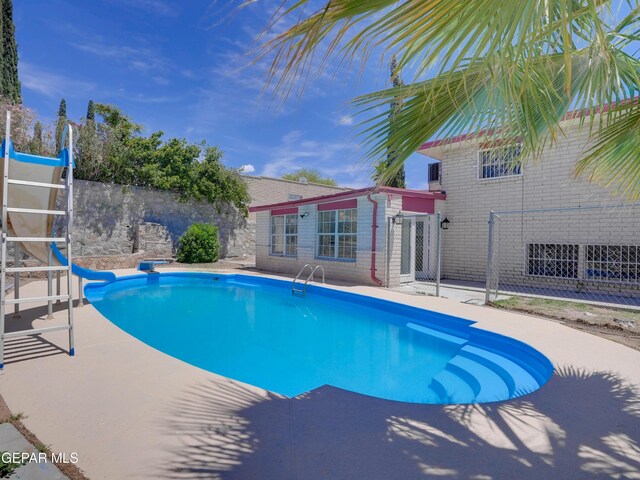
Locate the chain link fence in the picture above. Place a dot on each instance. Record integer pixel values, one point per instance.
(589, 254)
(413, 253)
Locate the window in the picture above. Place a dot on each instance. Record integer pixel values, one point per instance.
(552, 260)
(499, 162)
(617, 263)
(434, 171)
(337, 234)
(284, 235)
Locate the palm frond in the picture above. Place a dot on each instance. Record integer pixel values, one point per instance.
(614, 159)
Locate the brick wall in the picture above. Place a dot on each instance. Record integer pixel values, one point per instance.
(358, 271)
(547, 182)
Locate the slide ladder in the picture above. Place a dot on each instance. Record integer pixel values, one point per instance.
(302, 291)
(64, 161)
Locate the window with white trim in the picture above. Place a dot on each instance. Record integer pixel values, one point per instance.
(552, 260)
(284, 235)
(613, 263)
(337, 234)
(499, 162)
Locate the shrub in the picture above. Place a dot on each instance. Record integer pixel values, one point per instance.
(199, 244)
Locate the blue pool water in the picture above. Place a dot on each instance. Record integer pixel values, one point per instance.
(253, 330)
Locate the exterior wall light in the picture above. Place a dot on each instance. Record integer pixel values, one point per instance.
(304, 215)
(398, 218)
(444, 224)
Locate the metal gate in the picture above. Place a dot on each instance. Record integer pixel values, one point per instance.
(413, 253)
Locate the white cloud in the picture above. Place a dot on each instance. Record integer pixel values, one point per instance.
(339, 160)
(248, 168)
(52, 84)
(142, 59)
(345, 120)
(158, 7)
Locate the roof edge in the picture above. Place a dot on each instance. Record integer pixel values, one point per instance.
(352, 194)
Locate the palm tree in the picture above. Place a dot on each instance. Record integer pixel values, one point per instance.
(502, 70)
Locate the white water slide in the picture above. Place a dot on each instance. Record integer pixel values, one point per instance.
(29, 190)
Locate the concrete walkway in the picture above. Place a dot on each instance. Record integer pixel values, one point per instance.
(11, 440)
(130, 411)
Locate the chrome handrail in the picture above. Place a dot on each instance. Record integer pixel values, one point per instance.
(310, 277)
(293, 284)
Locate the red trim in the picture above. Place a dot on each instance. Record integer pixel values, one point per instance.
(420, 205)
(284, 211)
(482, 133)
(374, 228)
(342, 204)
(362, 192)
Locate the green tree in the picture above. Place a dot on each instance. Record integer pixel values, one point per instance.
(312, 175)
(118, 152)
(390, 172)
(502, 71)
(91, 112)
(37, 142)
(11, 88)
(61, 123)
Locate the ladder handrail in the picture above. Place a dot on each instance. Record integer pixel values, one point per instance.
(307, 265)
(313, 269)
(310, 277)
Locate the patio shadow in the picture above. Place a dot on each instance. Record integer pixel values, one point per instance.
(581, 424)
(20, 349)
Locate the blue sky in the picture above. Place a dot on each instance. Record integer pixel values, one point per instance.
(185, 68)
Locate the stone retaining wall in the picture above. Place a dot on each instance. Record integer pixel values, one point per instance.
(120, 220)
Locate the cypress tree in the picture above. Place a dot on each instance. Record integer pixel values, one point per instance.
(91, 111)
(381, 174)
(10, 82)
(37, 144)
(62, 109)
(62, 122)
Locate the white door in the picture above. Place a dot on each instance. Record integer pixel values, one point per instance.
(415, 258)
(407, 249)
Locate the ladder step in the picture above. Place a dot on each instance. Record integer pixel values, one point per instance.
(23, 333)
(13, 301)
(36, 184)
(35, 210)
(36, 269)
(36, 239)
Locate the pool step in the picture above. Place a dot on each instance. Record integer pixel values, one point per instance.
(518, 380)
(451, 387)
(475, 375)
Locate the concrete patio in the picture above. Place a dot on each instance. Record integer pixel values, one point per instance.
(130, 411)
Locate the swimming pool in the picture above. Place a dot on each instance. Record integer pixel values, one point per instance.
(253, 330)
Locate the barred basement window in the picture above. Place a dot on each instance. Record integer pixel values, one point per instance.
(552, 260)
(284, 235)
(613, 263)
(499, 162)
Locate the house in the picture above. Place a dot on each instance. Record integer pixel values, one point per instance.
(355, 235)
(551, 230)
(563, 232)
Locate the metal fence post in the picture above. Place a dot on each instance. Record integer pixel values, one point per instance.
(438, 236)
(487, 295)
